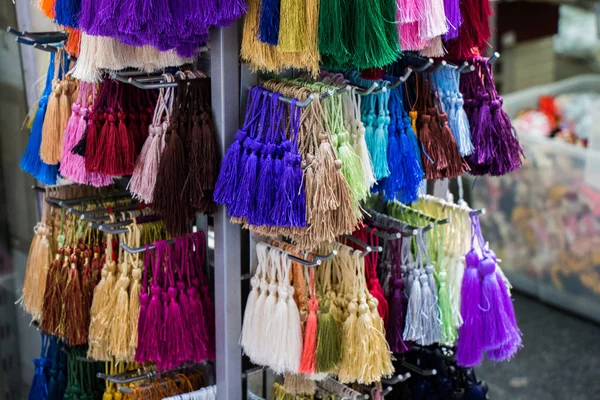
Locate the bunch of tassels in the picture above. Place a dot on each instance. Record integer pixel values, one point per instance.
(115, 307)
(50, 375)
(281, 35)
(282, 174)
(346, 337)
(176, 317)
(490, 327)
(496, 148)
(44, 248)
(82, 379)
(45, 141)
(188, 166)
(150, 36)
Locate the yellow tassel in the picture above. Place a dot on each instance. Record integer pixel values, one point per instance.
(134, 307)
(381, 348)
(102, 306)
(119, 320)
(348, 367)
(292, 26)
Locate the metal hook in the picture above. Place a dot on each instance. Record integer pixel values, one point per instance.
(369, 91)
(494, 58)
(424, 67)
(401, 79)
(394, 380)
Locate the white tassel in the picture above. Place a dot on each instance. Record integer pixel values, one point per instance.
(430, 314)
(294, 343)
(251, 325)
(279, 326)
(433, 22)
(266, 342)
(85, 69)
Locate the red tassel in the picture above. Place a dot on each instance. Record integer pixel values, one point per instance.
(75, 327)
(55, 289)
(308, 363)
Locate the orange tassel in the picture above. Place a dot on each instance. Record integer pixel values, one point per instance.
(73, 44)
(308, 362)
(48, 8)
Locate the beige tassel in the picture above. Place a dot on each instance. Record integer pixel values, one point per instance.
(348, 369)
(34, 285)
(50, 148)
(298, 384)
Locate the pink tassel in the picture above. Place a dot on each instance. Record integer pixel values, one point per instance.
(409, 11)
(409, 37)
(72, 165)
(143, 179)
(433, 23)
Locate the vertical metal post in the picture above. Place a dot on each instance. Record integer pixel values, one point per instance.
(224, 65)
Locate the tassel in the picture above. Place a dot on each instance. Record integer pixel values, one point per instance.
(409, 11)
(433, 23)
(39, 389)
(332, 35)
(293, 347)
(308, 364)
(497, 327)
(329, 340)
(268, 28)
(143, 180)
(298, 384)
(101, 304)
(430, 309)
(34, 284)
(409, 36)
(375, 38)
(474, 32)
(53, 295)
(378, 148)
(351, 167)
(514, 343)
(453, 18)
(396, 320)
(119, 335)
(174, 336)
(167, 198)
(76, 324)
(361, 149)
(265, 344)
(435, 48)
(292, 26)
(248, 184)
(49, 150)
(251, 313)
(448, 328)
(382, 365)
(351, 346)
(48, 8)
(251, 336)
(413, 330)
(261, 212)
(469, 348)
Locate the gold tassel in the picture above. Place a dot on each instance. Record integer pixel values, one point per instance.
(119, 321)
(101, 304)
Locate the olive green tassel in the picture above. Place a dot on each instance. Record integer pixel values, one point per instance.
(329, 341)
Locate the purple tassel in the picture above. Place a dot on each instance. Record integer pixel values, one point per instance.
(284, 215)
(397, 314)
(469, 349)
(496, 326)
(453, 18)
(247, 189)
(261, 213)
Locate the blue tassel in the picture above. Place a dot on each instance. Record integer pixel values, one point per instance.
(67, 13)
(31, 161)
(268, 27)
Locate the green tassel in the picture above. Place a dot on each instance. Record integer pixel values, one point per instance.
(448, 327)
(329, 340)
(375, 45)
(332, 44)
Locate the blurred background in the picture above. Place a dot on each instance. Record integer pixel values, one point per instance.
(543, 221)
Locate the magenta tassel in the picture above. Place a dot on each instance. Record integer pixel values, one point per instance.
(397, 315)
